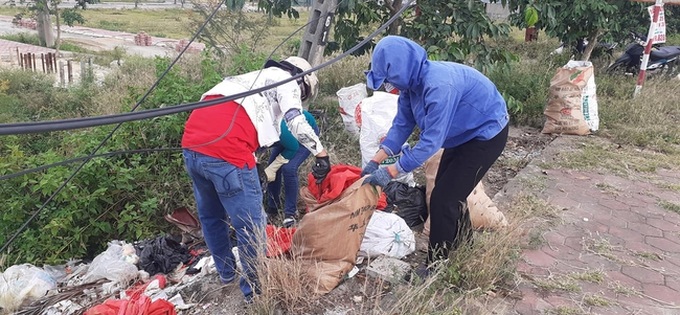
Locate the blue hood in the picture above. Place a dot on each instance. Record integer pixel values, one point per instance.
(397, 60)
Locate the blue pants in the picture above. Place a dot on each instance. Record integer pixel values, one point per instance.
(289, 172)
(228, 195)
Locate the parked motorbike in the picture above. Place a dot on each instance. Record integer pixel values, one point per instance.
(662, 59)
(602, 49)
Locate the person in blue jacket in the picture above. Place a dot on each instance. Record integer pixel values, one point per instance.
(284, 161)
(456, 108)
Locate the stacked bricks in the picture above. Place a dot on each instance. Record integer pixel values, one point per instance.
(183, 43)
(27, 23)
(143, 39)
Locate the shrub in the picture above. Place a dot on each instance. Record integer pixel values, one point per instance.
(120, 197)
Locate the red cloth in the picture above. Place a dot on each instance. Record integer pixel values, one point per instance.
(207, 124)
(382, 202)
(339, 178)
(137, 304)
(279, 240)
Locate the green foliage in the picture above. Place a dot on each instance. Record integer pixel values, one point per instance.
(530, 16)
(72, 16)
(121, 197)
(459, 31)
(24, 37)
(592, 19)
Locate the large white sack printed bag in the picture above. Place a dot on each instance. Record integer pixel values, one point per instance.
(349, 99)
(377, 114)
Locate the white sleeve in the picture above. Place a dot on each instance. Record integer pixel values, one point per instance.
(288, 96)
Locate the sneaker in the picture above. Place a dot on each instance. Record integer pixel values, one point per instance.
(289, 221)
(248, 300)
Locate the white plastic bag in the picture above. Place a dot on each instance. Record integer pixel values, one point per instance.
(23, 283)
(388, 234)
(117, 264)
(350, 99)
(377, 114)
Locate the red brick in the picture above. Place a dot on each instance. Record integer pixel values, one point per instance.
(663, 244)
(626, 234)
(663, 225)
(614, 205)
(644, 275)
(645, 229)
(538, 258)
(554, 238)
(623, 280)
(662, 293)
(673, 282)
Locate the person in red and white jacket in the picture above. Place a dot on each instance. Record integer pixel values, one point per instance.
(219, 143)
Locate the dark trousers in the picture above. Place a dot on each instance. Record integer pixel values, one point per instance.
(460, 170)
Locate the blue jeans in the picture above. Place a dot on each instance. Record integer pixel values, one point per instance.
(289, 172)
(226, 194)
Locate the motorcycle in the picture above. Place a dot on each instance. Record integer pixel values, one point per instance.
(602, 49)
(662, 59)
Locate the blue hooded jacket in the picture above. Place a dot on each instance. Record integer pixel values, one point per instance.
(451, 103)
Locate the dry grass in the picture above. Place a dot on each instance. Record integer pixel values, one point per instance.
(286, 285)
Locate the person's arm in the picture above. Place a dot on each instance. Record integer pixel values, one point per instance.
(441, 103)
(288, 142)
(288, 97)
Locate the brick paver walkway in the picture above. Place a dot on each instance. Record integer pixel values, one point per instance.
(616, 249)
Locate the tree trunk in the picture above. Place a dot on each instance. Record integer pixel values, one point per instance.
(394, 7)
(58, 23)
(45, 32)
(592, 42)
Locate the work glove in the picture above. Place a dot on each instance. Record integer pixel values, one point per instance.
(321, 168)
(274, 167)
(381, 178)
(371, 167)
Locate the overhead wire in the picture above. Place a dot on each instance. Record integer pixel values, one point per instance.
(101, 144)
(77, 123)
(68, 124)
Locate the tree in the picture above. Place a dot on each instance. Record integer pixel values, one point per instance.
(44, 9)
(571, 21)
(455, 30)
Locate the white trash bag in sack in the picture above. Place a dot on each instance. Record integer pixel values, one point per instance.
(349, 99)
(377, 114)
(388, 234)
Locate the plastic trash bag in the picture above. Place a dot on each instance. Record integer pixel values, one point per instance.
(407, 202)
(117, 264)
(162, 255)
(21, 284)
(388, 234)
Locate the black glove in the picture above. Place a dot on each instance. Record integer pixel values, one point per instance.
(321, 168)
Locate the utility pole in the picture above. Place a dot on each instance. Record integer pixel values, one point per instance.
(315, 38)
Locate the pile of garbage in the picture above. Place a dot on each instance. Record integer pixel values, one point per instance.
(141, 278)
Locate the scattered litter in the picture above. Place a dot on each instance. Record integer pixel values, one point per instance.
(585, 219)
(357, 299)
(161, 255)
(352, 272)
(115, 264)
(23, 283)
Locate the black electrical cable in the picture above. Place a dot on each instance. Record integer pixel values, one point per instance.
(139, 103)
(73, 160)
(186, 107)
(76, 123)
